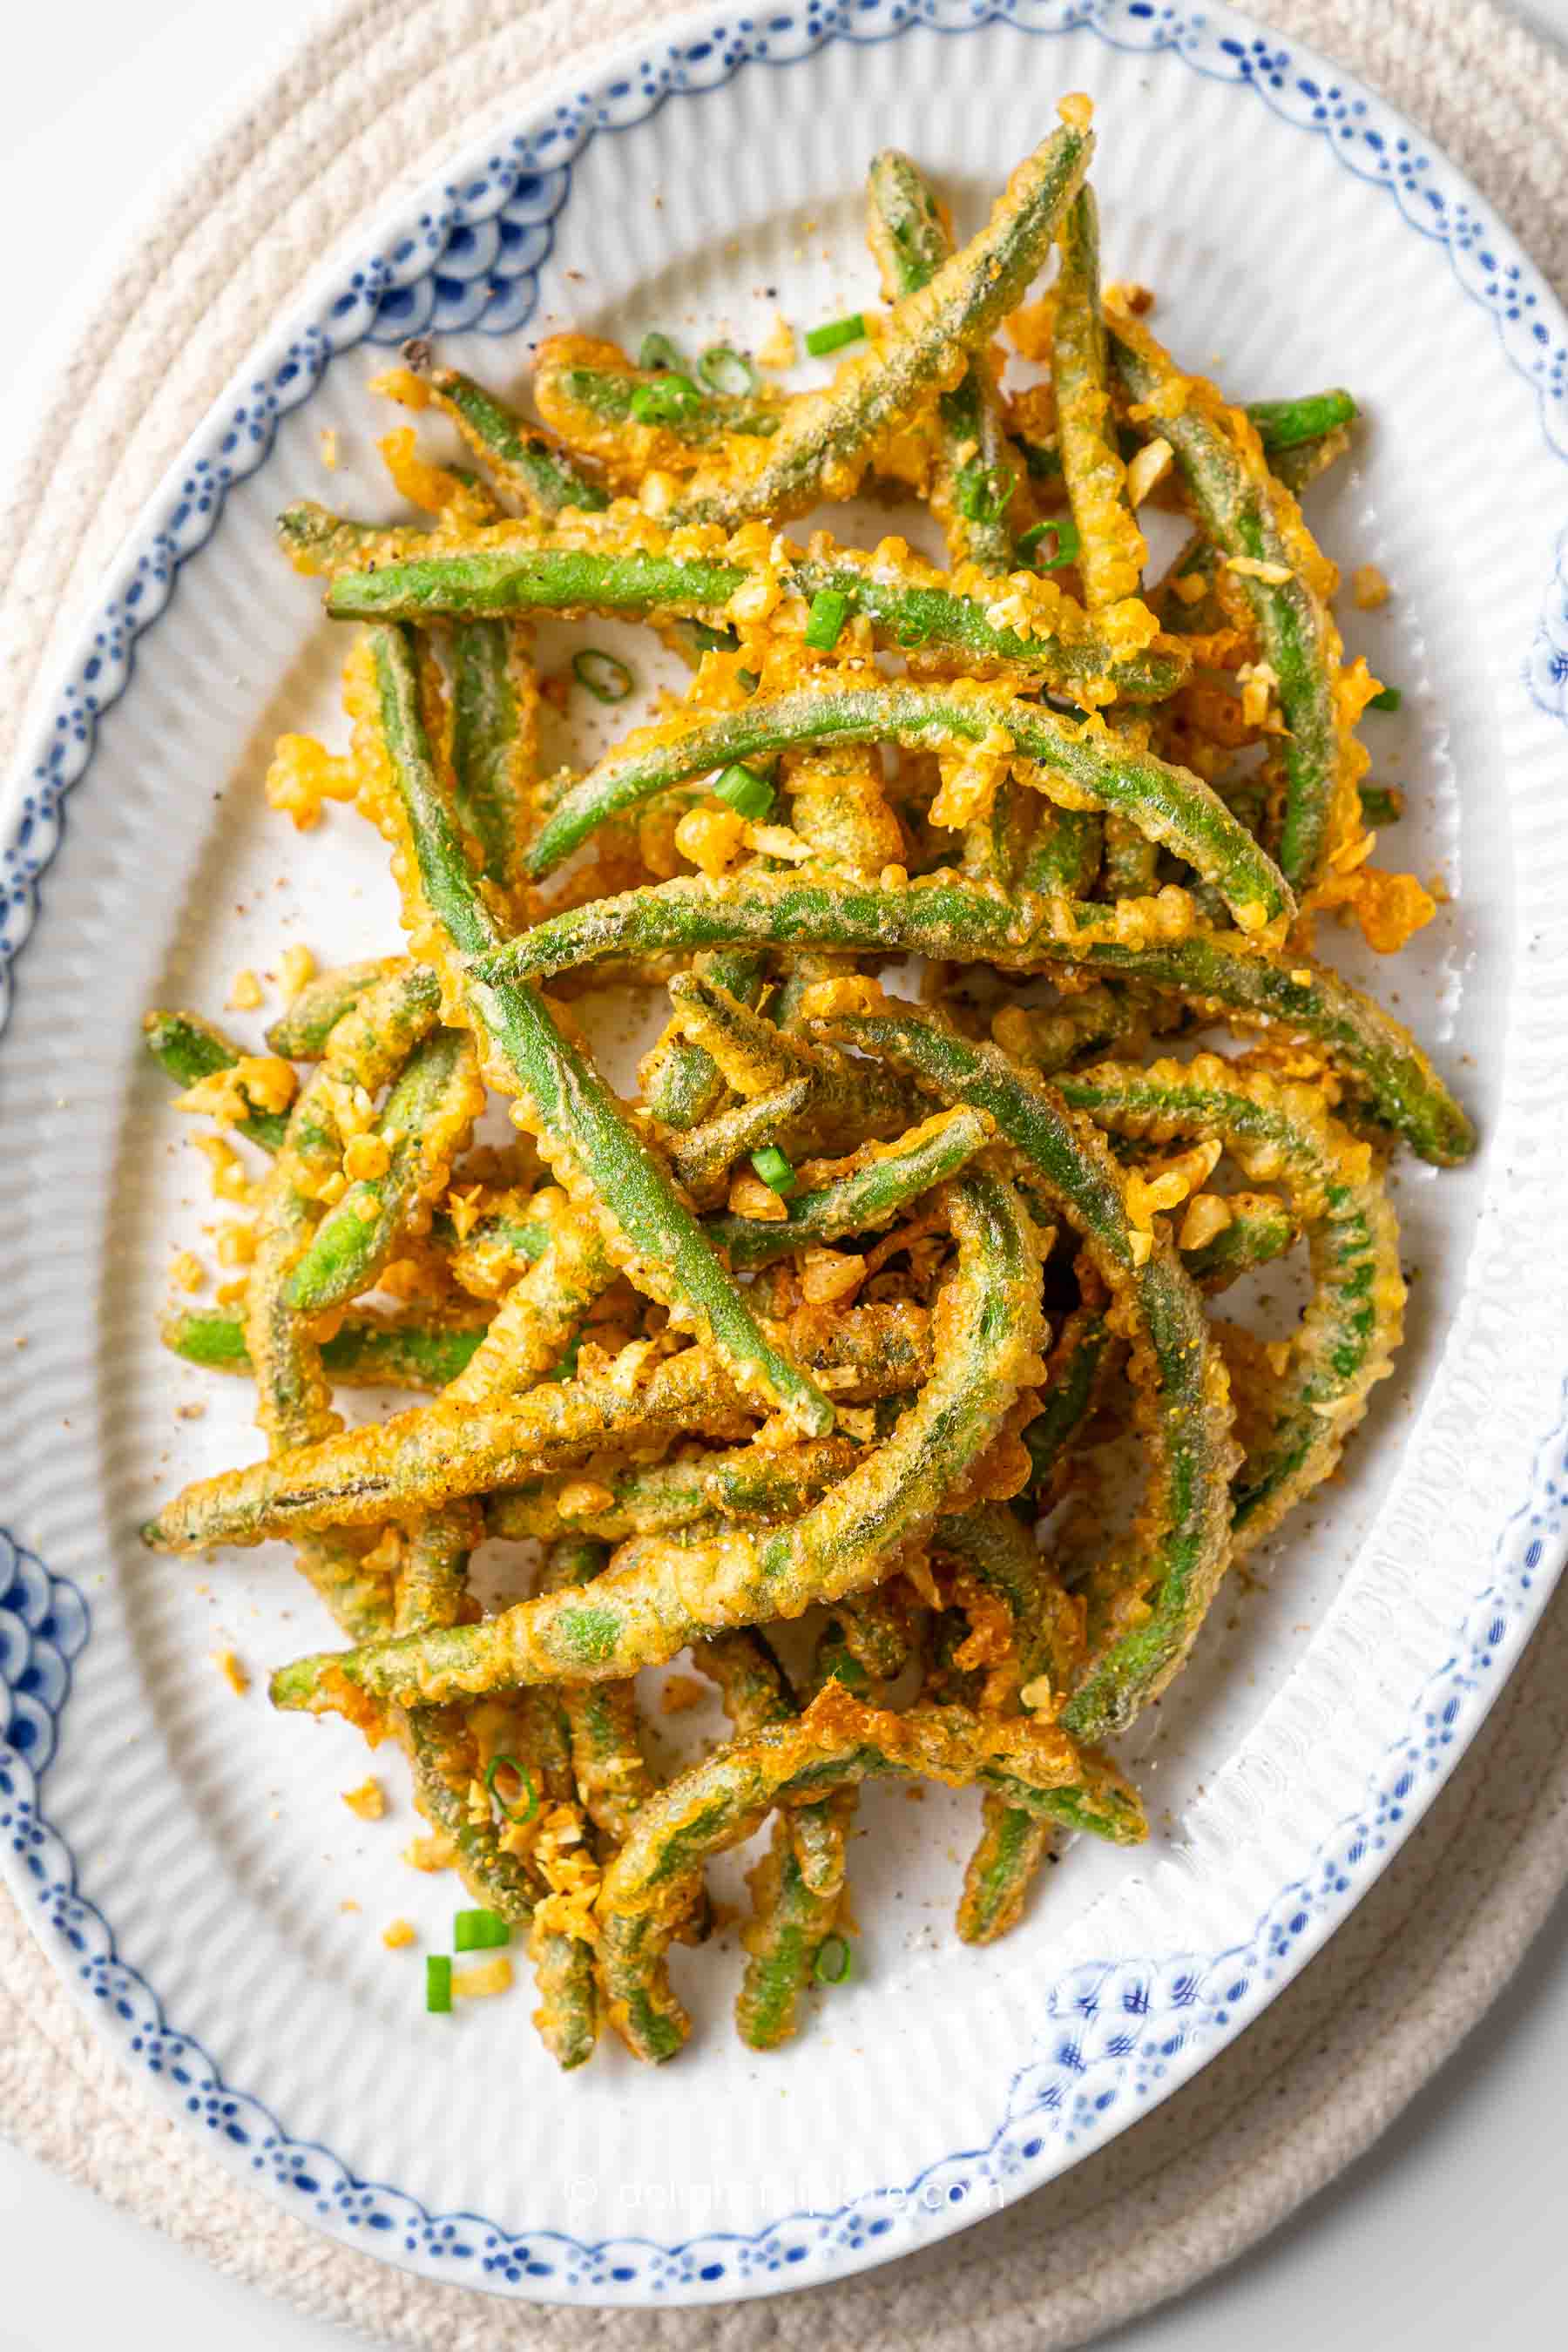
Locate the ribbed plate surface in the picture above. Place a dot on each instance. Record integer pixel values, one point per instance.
(185, 1854)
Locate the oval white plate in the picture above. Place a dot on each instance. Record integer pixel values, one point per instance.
(183, 1855)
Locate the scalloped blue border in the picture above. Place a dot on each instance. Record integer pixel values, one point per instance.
(1125, 2032)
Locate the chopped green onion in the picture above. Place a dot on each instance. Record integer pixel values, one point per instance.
(1064, 544)
(438, 1984)
(727, 372)
(775, 1171)
(1389, 699)
(835, 1962)
(824, 622)
(656, 351)
(658, 404)
(832, 337)
(749, 794)
(510, 1807)
(479, 1931)
(607, 676)
(983, 492)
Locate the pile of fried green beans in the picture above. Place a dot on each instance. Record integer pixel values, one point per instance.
(803, 1362)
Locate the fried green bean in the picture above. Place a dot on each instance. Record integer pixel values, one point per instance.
(446, 1762)
(835, 1744)
(750, 1681)
(978, 478)
(826, 438)
(1310, 416)
(1000, 1554)
(863, 1201)
(798, 1890)
(1180, 1545)
(317, 541)
(1160, 943)
(1075, 1371)
(1112, 551)
(540, 1312)
(987, 1330)
(1170, 805)
(528, 464)
(567, 2018)
(408, 1351)
(301, 1033)
(1287, 428)
(1239, 505)
(428, 1120)
(681, 1084)
(1346, 1340)
(596, 1153)
(1064, 854)
(613, 1778)
(294, 1406)
(762, 1484)
(495, 727)
(421, 1458)
(433, 1576)
(1299, 468)
(627, 418)
(506, 573)
(791, 1921)
(188, 1049)
(700, 1159)
(1129, 860)
(846, 1102)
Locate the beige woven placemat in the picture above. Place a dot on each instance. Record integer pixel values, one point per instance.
(369, 102)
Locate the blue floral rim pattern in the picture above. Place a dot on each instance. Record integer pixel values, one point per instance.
(1122, 2033)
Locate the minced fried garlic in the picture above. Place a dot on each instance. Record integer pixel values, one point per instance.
(484, 1979)
(1171, 1182)
(1389, 908)
(368, 1800)
(1253, 567)
(303, 775)
(777, 348)
(256, 1082)
(434, 1852)
(1369, 589)
(712, 837)
(583, 1499)
(296, 965)
(827, 1275)
(750, 1197)
(244, 992)
(225, 1169)
(366, 1157)
(398, 1933)
(1147, 469)
(1207, 1215)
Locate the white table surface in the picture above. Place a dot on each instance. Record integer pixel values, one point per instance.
(1453, 2220)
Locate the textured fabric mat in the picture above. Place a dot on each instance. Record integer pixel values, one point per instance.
(370, 101)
